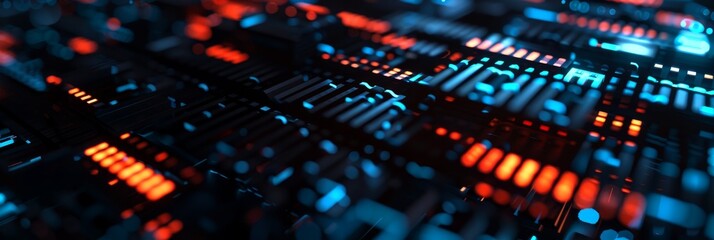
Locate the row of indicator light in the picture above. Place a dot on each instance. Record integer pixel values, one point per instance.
(163, 227)
(670, 19)
(487, 161)
(401, 42)
(543, 180)
(376, 67)
(226, 54)
(312, 11)
(641, 106)
(617, 123)
(521, 53)
(689, 72)
(82, 95)
(644, 3)
(134, 173)
(162, 157)
(589, 195)
(361, 22)
(606, 26)
(456, 136)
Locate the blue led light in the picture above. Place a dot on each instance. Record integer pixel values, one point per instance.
(331, 198)
(693, 43)
(370, 169)
(280, 177)
(610, 46)
(695, 180)
(637, 49)
(589, 215)
(307, 105)
(189, 127)
(328, 146)
(540, 14)
(326, 48)
(7, 142)
(555, 106)
(252, 20)
(674, 211)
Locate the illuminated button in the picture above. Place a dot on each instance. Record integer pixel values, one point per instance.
(160, 190)
(524, 176)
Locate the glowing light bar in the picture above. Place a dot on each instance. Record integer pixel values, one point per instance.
(83, 96)
(540, 14)
(135, 174)
(226, 54)
(563, 190)
(693, 43)
(473, 155)
(545, 179)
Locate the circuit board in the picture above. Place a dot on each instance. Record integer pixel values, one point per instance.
(356, 119)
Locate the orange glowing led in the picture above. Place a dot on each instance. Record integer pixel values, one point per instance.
(119, 165)
(82, 45)
(587, 193)
(508, 166)
(160, 190)
(455, 136)
(139, 177)
(533, 56)
(485, 44)
(364, 23)
(632, 210)
(160, 157)
(600, 119)
(563, 190)
(559, 62)
(545, 179)
(525, 174)
(635, 127)
(175, 226)
(471, 156)
(473, 42)
(125, 173)
(111, 160)
(124, 136)
(508, 51)
(54, 80)
(149, 183)
(234, 10)
(92, 150)
(113, 24)
(6, 40)
(520, 53)
(604, 26)
(496, 48)
(484, 190)
(103, 154)
(144, 179)
(490, 160)
(198, 31)
(226, 54)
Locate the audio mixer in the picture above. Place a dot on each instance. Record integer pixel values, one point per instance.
(357, 119)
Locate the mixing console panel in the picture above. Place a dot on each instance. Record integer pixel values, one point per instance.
(356, 119)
